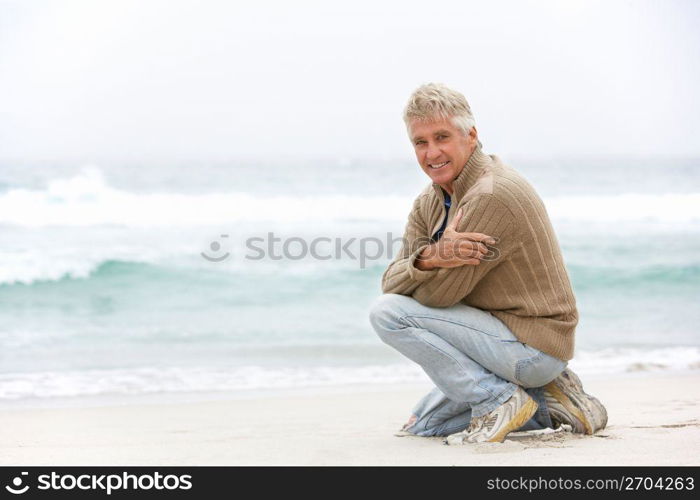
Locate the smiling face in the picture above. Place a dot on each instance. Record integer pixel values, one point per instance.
(441, 149)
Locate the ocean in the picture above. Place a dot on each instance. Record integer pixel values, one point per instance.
(232, 277)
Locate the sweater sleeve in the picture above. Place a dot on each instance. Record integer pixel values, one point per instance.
(482, 214)
(402, 276)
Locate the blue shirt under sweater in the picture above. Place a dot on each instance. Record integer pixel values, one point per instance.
(448, 204)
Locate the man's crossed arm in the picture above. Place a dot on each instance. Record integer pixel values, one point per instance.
(443, 273)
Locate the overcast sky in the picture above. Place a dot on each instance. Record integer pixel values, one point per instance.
(203, 80)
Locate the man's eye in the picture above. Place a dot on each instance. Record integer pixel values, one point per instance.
(419, 143)
(441, 137)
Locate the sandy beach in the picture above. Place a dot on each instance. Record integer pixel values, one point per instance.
(653, 420)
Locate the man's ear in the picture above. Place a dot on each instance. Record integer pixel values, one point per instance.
(474, 138)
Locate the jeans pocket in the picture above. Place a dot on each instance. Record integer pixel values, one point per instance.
(538, 370)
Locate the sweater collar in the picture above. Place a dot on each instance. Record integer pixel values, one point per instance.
(471, 172)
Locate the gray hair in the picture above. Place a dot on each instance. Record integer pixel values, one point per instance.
(437, 101)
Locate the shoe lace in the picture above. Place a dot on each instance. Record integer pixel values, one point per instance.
(487, 421)
(476, 423)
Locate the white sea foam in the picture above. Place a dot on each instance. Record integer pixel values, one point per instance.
(136, 381)
(47, 263)
(31, 267)
(627, 360)
(174, 380)
(87, 200)
(50, 254)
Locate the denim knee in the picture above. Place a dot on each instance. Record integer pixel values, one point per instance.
(385, 314)
(538, 370)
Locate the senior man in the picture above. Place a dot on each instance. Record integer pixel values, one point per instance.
(479, 295)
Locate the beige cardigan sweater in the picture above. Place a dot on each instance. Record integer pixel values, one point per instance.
(527, 287)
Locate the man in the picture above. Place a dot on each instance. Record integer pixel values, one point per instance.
(479, 295)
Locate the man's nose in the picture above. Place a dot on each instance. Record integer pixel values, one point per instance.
(433, 151)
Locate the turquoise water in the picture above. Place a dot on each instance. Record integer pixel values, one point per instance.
(103, 289)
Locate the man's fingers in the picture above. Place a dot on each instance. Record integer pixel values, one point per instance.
(472, 249)
(453, 225)
(489, 240)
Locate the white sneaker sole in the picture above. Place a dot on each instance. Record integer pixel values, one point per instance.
(588, 410)
(524, 414)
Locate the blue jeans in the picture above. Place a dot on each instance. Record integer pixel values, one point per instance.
(474, 360)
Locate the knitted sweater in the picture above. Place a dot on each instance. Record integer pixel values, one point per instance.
(527, 287)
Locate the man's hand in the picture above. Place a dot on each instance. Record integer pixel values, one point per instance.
(454, 249)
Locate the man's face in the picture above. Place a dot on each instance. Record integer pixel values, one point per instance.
(442, 149)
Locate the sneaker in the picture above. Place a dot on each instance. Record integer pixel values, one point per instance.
(569, 404)
(495, 426)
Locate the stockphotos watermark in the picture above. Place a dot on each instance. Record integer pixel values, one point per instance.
(104, 483)
(324, 248)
